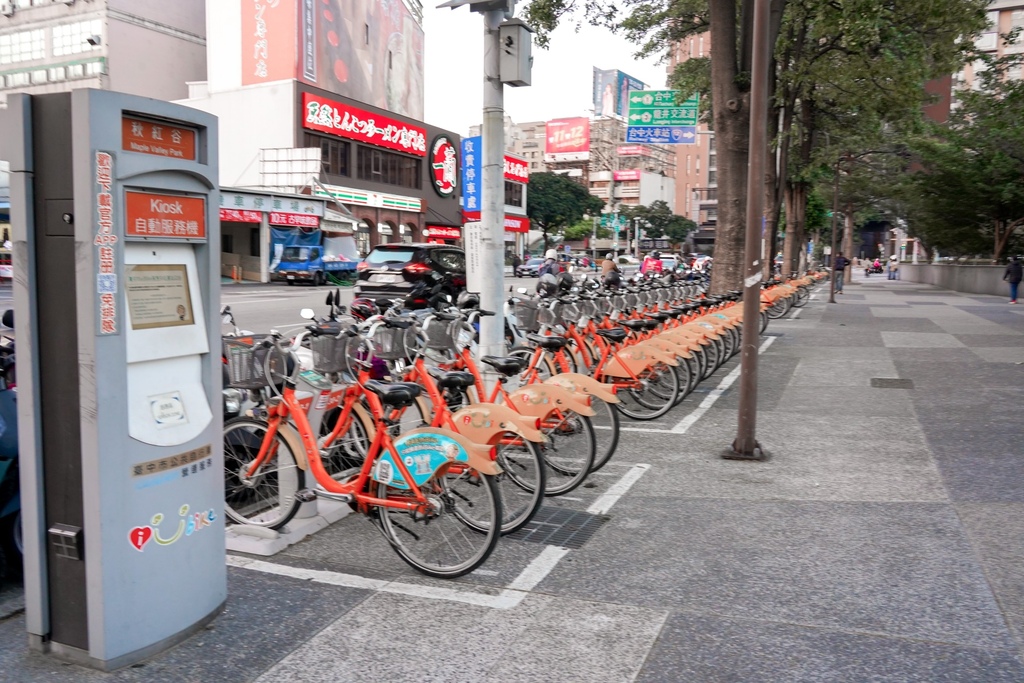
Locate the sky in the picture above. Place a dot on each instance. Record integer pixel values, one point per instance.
(563, 74)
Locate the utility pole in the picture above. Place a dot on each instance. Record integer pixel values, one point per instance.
(492, 333)
(745, 446)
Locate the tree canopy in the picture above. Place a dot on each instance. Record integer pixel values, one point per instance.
(554, 202)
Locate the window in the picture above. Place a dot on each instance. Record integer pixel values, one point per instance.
(712, 177)
(22, 46)
(39, 76)
(363, 238)
(254, 241)
(17, 80)
(366, 34)
(334, 154)
(72, 39)
(1017, 19)
(513, 194)
(387, 167)
(56, 74)
(449, 259)
(227, 243)
(76, 70)
(94, 68)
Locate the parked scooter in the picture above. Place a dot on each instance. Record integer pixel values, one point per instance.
(11, 547)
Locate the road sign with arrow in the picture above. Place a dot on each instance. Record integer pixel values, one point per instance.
(655, 115)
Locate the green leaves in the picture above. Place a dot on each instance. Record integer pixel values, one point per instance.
(555, 202)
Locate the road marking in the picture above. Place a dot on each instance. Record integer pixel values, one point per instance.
(715, 394)
(527, 580)
(617, 490)
(796, 314)
(236, 302)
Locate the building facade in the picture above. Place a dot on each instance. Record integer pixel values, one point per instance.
(58, 45)
(325, 99)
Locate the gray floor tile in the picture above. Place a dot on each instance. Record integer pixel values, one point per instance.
(995, 531)
(896, 569)
(712, 649)
(920, 340)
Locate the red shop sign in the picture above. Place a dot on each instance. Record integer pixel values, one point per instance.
(240, 216)
(335, 118)
(164, 216)
(442, 232)
(300, 220)
(517, 224)
(516, 170)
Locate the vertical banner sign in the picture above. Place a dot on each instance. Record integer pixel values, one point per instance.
(268, 41)
(106, 275)
(309, 40)
(471, 177)
(472, 239)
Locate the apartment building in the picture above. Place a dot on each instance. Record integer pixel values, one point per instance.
(143, 47)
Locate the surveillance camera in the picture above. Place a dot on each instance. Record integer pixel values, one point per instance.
(93, 40)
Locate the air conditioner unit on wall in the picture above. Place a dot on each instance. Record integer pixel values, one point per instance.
(7, 9)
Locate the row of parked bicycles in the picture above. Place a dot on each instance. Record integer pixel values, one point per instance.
(393, 412)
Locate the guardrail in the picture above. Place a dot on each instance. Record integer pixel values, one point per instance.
(968, 279)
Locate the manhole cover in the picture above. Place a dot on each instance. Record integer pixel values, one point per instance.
(891, 383)
(560, 527)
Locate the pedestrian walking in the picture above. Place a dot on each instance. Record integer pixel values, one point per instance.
(516, 262)
(1013, 276)
(838, 271)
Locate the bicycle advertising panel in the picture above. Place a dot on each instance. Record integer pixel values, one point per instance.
(123, 521)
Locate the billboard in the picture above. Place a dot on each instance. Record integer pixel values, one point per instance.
(567, 139)
(629, 174)
(611, 91)
(367, 50)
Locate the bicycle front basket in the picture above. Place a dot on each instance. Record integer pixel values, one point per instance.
(392, 343)
(247, 360)
(526, 316)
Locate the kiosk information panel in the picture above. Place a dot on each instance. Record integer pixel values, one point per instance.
(122, 485)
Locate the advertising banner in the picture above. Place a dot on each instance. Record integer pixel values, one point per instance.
(631, 150)
(632, 174)
(611, 91)
(517, 170)
(568, 139)
(268, 41)
(335, 118)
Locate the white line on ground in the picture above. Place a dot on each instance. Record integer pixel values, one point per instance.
(813, 297)
(796, 314)
(527, 580)
(617, 490)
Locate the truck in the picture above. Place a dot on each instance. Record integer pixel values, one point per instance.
(314, 257)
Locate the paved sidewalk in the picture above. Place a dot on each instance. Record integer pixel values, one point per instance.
(881, 542)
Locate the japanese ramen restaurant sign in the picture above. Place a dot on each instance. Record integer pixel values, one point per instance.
(164, 216)
(158, 139)
(335, 118)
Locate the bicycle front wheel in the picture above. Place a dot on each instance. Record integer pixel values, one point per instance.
(569, 452)
(654, 395)
(520, 484)
(265, 496)
(437, 541)
(605, 421)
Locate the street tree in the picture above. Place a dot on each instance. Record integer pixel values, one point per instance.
(555, 202)
(659, 221)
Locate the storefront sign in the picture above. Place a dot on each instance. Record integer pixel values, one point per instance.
(442, 232)
(241, 216)
(631, 150)
(512, 223)
(106, 275)
(268, 41)
(472, 178)
(348, 195)
(158, 139)
(299, 220)
(444, 163)
(342, 120)
(632, 174)
(259, 202)
(517, 170)
(158, 296)
(165, 216)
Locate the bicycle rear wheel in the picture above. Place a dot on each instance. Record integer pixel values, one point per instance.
(605, 421)
(520, 484)
(439, 542)
(656, 394)
(569, 452)
(267, 497)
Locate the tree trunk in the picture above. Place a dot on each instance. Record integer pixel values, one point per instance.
(848, 240)
(796, 203)
(732, 133)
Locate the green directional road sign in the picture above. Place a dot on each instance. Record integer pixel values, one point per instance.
(660, 108)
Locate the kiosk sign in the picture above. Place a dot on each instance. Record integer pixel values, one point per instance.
(165, 216)
(158, 139)
(106, 277)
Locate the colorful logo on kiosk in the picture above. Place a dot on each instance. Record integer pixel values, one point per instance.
(444, 165)
(188, 524)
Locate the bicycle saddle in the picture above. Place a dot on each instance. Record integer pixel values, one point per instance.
(451, 379)
(396, 394)
(658, 315)
(636, 325)
(550, 343)
(617, 335)
(506, 365)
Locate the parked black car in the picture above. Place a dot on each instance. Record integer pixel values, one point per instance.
(411, 271)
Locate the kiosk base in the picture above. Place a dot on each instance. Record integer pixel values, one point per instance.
(75, 655)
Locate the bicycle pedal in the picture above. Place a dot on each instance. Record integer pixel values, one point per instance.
(340, 497)
(305, 496)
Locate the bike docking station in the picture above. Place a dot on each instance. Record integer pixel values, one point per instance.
(117, 288)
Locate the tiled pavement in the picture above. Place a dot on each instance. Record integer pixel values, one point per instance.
(881, 542)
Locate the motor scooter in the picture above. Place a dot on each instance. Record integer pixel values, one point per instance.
(11, 546)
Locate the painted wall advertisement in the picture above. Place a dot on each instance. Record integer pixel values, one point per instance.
(368, 50)
(611, 90)
(568, 139)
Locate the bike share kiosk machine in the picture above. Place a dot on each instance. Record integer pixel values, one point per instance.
(117, 286)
